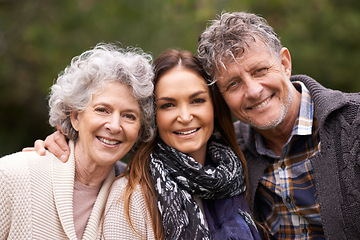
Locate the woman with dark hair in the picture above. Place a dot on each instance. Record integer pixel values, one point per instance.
(190, 180)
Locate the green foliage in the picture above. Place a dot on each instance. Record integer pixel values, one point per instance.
(38, 38)
(323, 38)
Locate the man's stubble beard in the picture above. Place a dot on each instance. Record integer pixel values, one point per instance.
(284, 109)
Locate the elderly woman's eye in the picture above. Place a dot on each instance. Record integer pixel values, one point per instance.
(130, 116)
(101, 110)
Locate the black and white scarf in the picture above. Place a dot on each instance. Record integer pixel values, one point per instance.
(178, 177)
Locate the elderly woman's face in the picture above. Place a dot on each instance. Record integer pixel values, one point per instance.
(109, 126)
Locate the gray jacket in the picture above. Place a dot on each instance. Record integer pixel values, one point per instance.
(336, 167)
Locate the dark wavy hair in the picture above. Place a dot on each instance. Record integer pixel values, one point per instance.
(138, 167)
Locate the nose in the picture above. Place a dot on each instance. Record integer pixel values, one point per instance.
(253, 89)
(114, 124)
(184, 115)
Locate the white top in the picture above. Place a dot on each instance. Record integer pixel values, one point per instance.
(36, 198)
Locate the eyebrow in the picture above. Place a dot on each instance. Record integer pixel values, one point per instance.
(165, 99)
(105, 104)
(173, 99)
(251, 68)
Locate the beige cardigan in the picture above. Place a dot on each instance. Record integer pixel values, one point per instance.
(36, 198)
(115, 224)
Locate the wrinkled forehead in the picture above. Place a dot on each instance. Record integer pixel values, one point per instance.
(239, 54)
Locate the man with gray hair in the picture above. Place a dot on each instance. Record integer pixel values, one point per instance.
(300, 139)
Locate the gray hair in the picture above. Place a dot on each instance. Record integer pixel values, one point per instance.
(227, 38)
(89, 72)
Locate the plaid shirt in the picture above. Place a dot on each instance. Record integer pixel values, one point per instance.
(287, 189)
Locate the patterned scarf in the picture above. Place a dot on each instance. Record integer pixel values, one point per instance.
(178, 177)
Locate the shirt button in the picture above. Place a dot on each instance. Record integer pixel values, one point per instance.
(288, 200)
(305, 230)
(283, 166)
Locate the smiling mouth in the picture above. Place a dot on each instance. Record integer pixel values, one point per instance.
(261, 104)
(187, 132)
(109, 142)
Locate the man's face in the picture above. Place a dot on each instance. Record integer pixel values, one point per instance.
(256, 86)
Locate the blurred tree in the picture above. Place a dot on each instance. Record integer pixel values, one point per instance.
(323, 38)
(38, 38)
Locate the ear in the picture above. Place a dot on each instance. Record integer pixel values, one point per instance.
(141, 131)
(286, 61)
(74, 118)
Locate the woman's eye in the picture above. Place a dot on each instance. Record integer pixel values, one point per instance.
(101, 110)
(166, 105)
(199, 100)
(130, 116)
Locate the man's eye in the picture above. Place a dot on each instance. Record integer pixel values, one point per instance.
(232, 85)
(260, 71)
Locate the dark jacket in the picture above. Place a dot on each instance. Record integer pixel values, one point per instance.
(336, 167)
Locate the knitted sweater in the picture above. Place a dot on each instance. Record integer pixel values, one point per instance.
(336, 167)
(116, 225)
(36, 198)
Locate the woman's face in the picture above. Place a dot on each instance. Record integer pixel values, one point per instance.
(185, 114)
(108, 127)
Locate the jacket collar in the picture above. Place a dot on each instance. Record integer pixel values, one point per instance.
(63, 187)
(326, 100)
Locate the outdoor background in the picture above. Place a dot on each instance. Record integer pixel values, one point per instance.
(38, 38)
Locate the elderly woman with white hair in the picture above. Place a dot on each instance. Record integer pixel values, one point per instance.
(103, 103)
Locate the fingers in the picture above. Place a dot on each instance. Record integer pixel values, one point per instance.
(40, 147)
(56, 143)
(28, 149)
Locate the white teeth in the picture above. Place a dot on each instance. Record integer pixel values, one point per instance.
(187, 132)
(262, 104)
(108, 141)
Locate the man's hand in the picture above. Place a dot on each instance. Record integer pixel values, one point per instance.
(55, 143)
